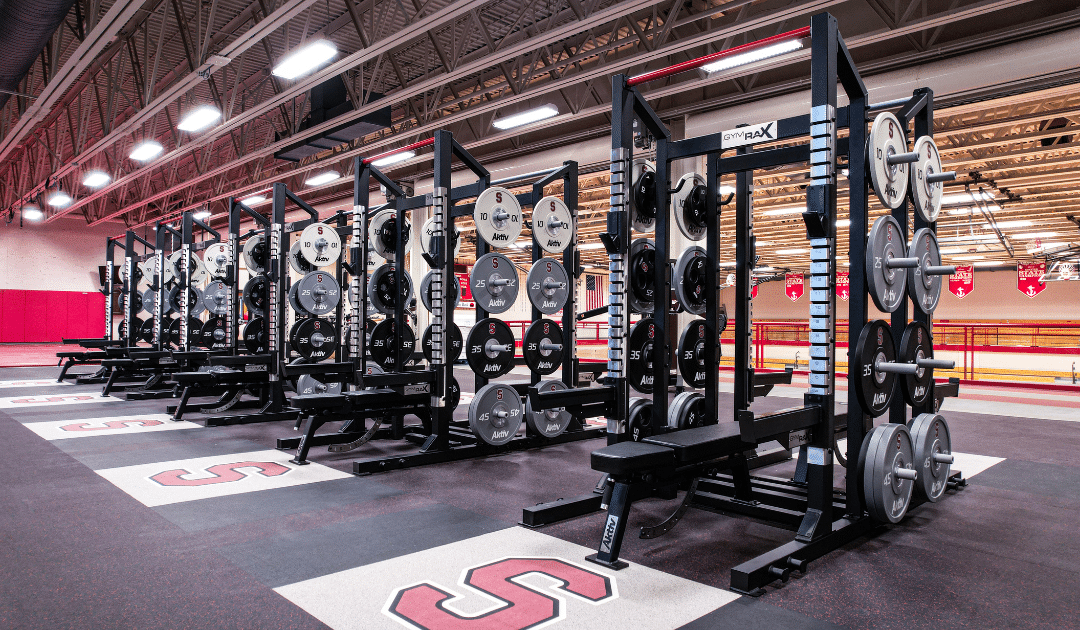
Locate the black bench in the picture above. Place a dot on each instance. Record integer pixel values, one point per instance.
(224, 375)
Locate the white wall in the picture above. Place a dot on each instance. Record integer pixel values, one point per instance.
(60, 256)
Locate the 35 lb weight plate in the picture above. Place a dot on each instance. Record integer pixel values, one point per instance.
(425, 290)
(494, 283)
(887, 471)
(257, 294)
(639, 419)
(382, 232)
(689, 204)
(146, 331)
(548, 422)
(640, 355)
(884, 281)
(383, 347)
(543, 346)
(216, 298)
(454, 350)
(886, 141)
(489, 348)
(548, 285)
(925, 191)
(874, 388)
(318, 293)
(297, 261)
(643, 197)
(427, 234)
(320, 244)
(384, 292)
(194, 332)
(689, 279)
(495, 414)
(497, 214)
(924, 281)
(194, 300)
(314, 339)
(216, 260)
(642, 289)
(213, 334)
(255, 257)
(552, 225)
(254, 335)
(933, 455)
(915, 344)
(692, 354)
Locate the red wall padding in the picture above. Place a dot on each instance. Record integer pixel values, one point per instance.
(35, 316)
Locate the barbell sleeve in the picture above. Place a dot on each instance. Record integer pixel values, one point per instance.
(901, 158)
(907, 473)
(944, 176)
(939, 270)
(492, 346)
(896, 368)
(902, 263)
(943, 458)
(547, 345)
(936, 364)
(499, 282)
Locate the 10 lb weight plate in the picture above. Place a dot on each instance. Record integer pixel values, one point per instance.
(255, 257)
(213, 334)
(933, 455)
(454, 350)
(887, 141)
(548, 285)
(314, 339)
(196, 269)
(216, 298)
(384, 349)
(320, 244)
(874, 387)
(552, 225)
(318, 293)
(425, 290)
(548, 422)
(643, 197)
(692, 354)
(256, 294)
(689, 206)
(494, 283)
(543, 346)
(216, 260)
(886, 468)
(642, 290)
(297, 261)
(254, 335)
(427, 235)
(383, 291)
(382, 232)
(495, 414)
(497, 214)
(489, 348)
(886, 279)
(926, 178)
(689, 279)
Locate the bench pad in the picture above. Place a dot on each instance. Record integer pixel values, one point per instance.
(701, 443)
(625, 458)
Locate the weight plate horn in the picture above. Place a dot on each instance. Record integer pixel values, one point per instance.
(497, 214)
(643, 197)
(382, 233)
(548, 422)
(548, 285)
(552, 225)
(494, 283)
(887, 264)
(689, 280)
(887, 159)
(689, 205)
(495, 414)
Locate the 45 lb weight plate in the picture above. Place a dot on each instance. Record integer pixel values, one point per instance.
(640, 424)
(887, 471)
(933, 455)
(495, 414)
(548, 422)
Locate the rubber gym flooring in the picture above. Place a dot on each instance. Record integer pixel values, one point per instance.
(116, 517)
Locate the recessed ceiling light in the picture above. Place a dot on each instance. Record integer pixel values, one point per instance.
(146, 151)
(59, 199)
(395, 158)
(305, 59)
(968, 257)
(526, 117)
(1004, 225)
(323, 178)
(726, 63)
(202, 214)
(782, 211)
(843, 223)
(199, 118)
(252, 200)
(96, 179)
(794, 250)
(32, 213)
(1032, 235)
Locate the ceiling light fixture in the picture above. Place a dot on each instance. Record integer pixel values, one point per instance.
(1027, 236)
(776, 212)
(322, 178)
(252, 200)
(32, 213)
(843, 223)
(764, 52)
(591, 246)
(526, 117)
(202, 214)
(59, 199)
(792, 251)
(394, 158)
(989, 263)
(146, 151)
(304, 60)
(966, 197)
(1004, 225)
(199, 118)
(969, 257)
(96, 179)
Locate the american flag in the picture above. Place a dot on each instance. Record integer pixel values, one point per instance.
(594, 292)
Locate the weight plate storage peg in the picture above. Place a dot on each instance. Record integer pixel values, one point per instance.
(383, 349)
(256, 294)
(543, 346)
(382, 232)
(874, 355)
(642, 293)
(294, 304)
(297, 261)
(689, 204)
(320, 244)
(687, 411)
(924, 281)
(254, 335)
(456, 344)
(887, 470)
(194, 297)
(689, 279)
(497, 214)
(639, 360)
(427, 234)
(255, 254)
(495, 414)
(318, 293)
(643, 197)
(886, 264)
(314, 339)
(933, 455)
(927, 178)
(548, 422)
(494, 283)
(489, 348)
(383, 292)
(548, 285)
(887, 160)
(917, 348)
(552, 225)
(213, 333)
(308, 384)
(639, 423)
(692, 353)
(425, 290)
(216, 298)
(216, 260)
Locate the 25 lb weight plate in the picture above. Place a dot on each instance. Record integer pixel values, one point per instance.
(194, 300)
(318, 293)
(689, 279)
(149, 298)
(255, 257)
(254, 335)
(874, 387)
(494, 283)
(639, 419)
(425, 290)
(887, 471)
(216, 260)
(548, 285)
(489, 348)
(136, 301)
(642, 290)
(456, 344)
(495, 414)
(384, 349)
(689, 204)
(383, 291)
(924, 280)
(643, 197)
(320, 244)
(497, 214)
(692, 354)
(552, 225)
(933, 455)
(314, 339)
(926, 187)
(382, 232)
(543, 346)
(640, 355)
(548, 422)
(886, 142)
(213, 334)
(295, 304)
(297, 261)
(427, 235)
(216, 298)
(886, 280)
(257, 294)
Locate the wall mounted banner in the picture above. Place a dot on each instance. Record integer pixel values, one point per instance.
(1066, 271)
(843, 285)
(1027, 278)
(793, 286)
(962, 282)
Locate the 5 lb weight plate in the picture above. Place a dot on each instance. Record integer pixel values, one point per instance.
(643, 197)
(692, 354)
(926, 174)
(254, 335)
(543, 346)
(642, 290)
(318, 293)
(886, 143)
(425, 290)
(689, 206)
(257, 294)
(548, 285)
(495, 414)
(383, 291)
(194, 298)
(216, 260)
(552, 225)
(213, 333)
(548, 422)
(639, 423)
(384, 349)
(640, 351)
(297, 261)
(887, 471)
(924, 280)
(494, 283)
(216, 298)
(874, 387)
(933, 455)
(427, 235)
(255, 257)
(489, 348)
(456, 344)
(886, 279)
(497, 214)
(382, 232)
(314, 339)
(320, 244)
(690, 279)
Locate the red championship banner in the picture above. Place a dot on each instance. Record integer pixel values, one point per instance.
(1027, 278)
(793, 286)
(466, 299)
(753, 293)
(843, 285)
(962, 282)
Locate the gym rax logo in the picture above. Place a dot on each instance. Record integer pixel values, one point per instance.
(222, 473)
(112, 424)
(427, 606)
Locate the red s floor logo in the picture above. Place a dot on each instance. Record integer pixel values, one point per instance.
(223, 473)
(50, 399)
(113, 424)
(520, 606)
